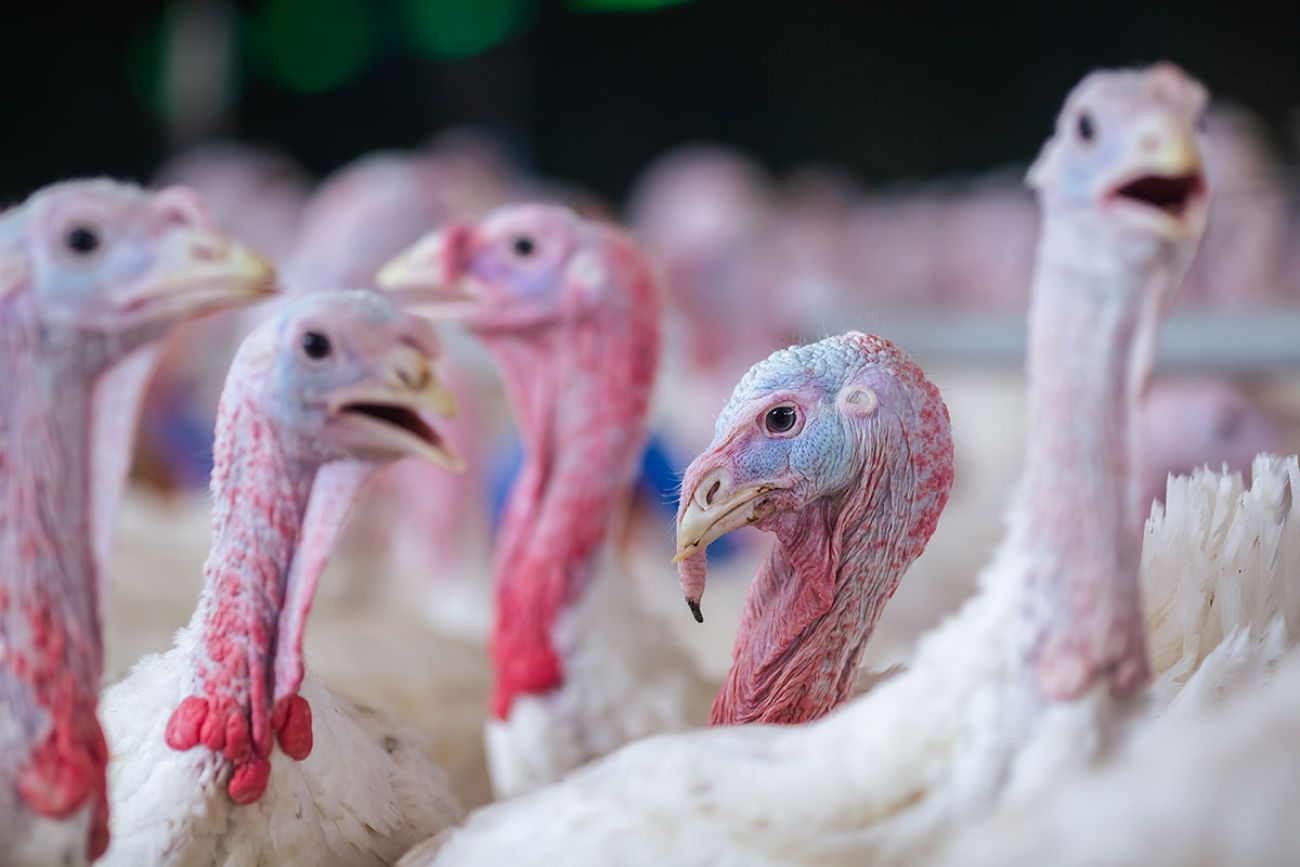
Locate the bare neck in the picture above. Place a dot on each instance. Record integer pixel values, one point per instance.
(259, 497)
(1093, 321)
(49, 599)
(580, 394)
(815, 602)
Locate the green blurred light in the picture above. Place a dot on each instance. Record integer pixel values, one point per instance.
(461, 28)
(621, 5)
(313, 45)
(144, 65)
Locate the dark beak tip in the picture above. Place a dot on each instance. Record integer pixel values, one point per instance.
(694, 605)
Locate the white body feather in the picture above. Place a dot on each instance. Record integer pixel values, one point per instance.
(888, 776)
(1213, 775)
(368, 790)
(624, 679)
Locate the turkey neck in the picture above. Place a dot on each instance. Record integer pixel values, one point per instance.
(260, 498)
(579, 391)
(51, 654)
(817, 597)
(1092, 324)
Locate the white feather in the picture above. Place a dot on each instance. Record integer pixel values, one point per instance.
(624, 680)
(368, 791)
(888, 776)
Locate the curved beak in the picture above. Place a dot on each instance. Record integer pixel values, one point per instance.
(198, 271)
(431, 272)
(394, 415)
(707, 517)
(1165, 183)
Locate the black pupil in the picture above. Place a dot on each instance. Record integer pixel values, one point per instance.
(315, 344)
(83, 240)
(780, 418)
(1086, 131)
(524, 246)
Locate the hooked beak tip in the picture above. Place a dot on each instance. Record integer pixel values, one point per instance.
(694, 605)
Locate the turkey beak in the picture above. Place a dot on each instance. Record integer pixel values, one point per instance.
(1169, 149)
(714, 509)
(394, 414)
(1164, 188)
(430, 274)
(201, 270)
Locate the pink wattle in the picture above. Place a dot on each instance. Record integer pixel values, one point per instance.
(291, 720)
(580, 389)
(261, 500)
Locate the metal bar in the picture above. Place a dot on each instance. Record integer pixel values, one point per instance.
(1257, 341)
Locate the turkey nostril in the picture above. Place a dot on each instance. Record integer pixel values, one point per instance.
(207, 252)
(713, 491)
(414, 380)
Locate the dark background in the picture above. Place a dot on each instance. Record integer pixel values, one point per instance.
(590, 94)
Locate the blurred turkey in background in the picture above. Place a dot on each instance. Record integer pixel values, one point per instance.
(793, 173)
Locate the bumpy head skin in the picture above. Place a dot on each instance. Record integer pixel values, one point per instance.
(1123, 197)
(843, 449)
(105, 259)
(344, 377)
(318, 398)
(568, 308)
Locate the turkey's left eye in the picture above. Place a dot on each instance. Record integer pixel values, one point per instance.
(780, 419)
(82, 240)
(316, 345)
(1087, 129)
(523, 246)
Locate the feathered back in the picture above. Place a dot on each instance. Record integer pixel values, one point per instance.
(1216, 562)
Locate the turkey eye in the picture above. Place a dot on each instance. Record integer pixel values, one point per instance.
(523, 246)
(1087, 129)
(780, 418)
(315, 345)
(82, 240)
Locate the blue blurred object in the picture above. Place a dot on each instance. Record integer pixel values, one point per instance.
(184, 442)
(504, 465)
(659, 480)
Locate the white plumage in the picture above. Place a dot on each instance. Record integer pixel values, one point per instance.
(369, 789)
(624, 682)
(880, 776)
(1219, 789)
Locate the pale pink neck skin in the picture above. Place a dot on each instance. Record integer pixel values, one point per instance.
(1095, 311)
(580, 390)
(815, 601)
(50, 632)
(275, 519)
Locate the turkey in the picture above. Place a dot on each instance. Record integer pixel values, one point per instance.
(318, 398)
(90, 272)
(567, 307)
(1037, 674)
(843, 450)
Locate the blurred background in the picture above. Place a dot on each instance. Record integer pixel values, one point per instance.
(793, 170)
(592, 90)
